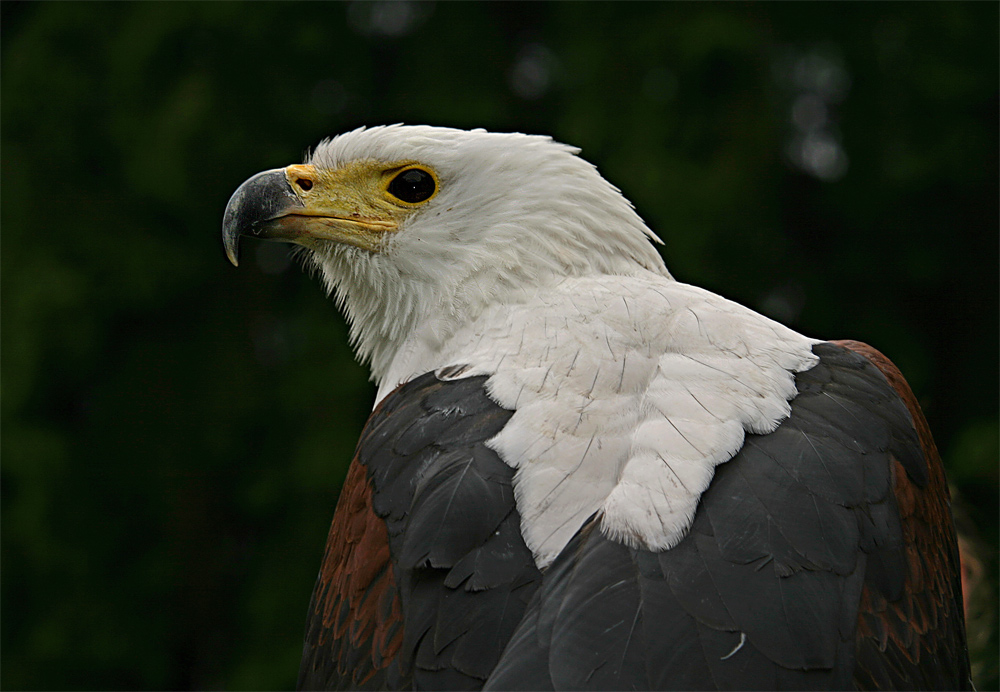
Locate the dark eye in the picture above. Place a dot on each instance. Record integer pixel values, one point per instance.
(413, 185)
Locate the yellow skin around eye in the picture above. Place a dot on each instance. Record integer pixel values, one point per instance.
(351, 204)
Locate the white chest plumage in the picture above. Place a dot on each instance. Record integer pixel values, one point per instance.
(627, 392)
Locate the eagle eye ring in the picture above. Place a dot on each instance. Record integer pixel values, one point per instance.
(413, 185)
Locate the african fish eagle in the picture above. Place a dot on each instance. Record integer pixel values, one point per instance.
(581, 473)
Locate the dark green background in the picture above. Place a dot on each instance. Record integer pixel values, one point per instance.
(174, 431)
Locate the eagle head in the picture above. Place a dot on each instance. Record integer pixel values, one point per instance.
(417, 225)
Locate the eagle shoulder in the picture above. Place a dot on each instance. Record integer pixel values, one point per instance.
(797, 572)
(451, 551)
(820, 555)
(914, 636)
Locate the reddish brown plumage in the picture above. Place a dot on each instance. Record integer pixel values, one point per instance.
(356, 592)
(912, 627)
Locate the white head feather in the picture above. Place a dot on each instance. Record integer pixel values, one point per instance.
(514, 213)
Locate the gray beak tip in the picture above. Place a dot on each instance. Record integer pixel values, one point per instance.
(258, 200)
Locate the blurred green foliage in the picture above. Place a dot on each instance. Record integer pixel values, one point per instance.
(174, 431)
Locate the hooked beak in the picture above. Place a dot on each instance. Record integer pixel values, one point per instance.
(311, 207)
(255, 206)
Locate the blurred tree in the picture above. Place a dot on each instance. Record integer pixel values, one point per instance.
(175, 432)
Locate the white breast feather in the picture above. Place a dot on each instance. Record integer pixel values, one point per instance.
(627, 392)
